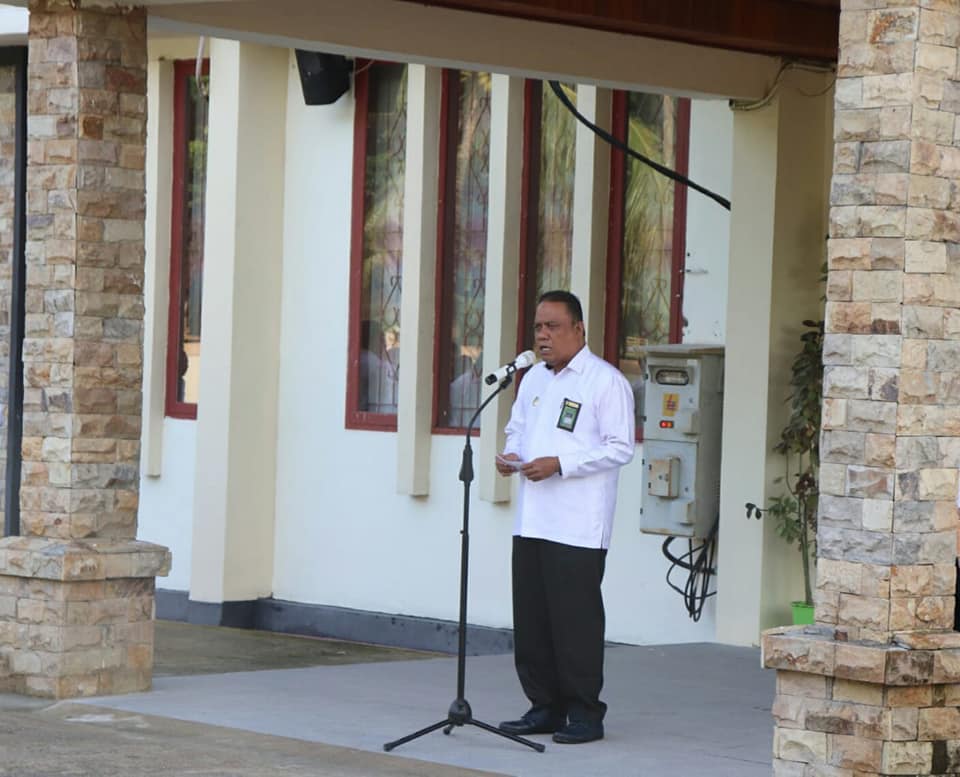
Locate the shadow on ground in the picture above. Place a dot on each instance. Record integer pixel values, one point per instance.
(185, 649)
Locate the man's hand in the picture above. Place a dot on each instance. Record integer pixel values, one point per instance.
(505, 470)
(541, 469)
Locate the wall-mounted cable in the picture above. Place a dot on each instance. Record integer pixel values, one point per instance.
(753, 105)
(616, 143)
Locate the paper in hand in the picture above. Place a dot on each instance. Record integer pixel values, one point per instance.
(512, 463)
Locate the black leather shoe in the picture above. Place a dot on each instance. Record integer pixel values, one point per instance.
(539, 720)
(576, 732)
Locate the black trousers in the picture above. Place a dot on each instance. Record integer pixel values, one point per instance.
(558, 626)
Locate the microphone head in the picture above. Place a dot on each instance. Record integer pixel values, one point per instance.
(525, 359)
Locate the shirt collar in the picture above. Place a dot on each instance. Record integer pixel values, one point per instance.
(577, 362)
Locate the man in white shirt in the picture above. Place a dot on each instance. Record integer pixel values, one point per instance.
(570, 431)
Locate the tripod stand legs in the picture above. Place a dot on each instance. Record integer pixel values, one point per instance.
(461, 715)
(403, 740)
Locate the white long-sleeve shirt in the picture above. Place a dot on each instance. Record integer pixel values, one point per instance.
(575, 508)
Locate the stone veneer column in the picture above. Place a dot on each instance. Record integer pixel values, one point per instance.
(76, 591)
(874, 688)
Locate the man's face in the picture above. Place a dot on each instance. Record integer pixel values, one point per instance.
(557, 338)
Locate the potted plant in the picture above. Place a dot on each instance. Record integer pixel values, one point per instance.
(795, 511)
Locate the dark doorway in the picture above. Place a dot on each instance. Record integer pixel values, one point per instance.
(13, 192)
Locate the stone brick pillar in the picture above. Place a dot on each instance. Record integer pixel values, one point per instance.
(874, 687)
(76, 591)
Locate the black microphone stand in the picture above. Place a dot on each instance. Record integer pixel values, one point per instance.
(460, 713)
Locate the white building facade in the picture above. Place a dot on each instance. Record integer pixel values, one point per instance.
(296, 492)
(281, 508)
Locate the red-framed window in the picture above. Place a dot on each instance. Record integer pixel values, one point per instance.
(546, 221)
(379, 148)
(646, 240)
(462, 247)
(647, 237)
(186, 244)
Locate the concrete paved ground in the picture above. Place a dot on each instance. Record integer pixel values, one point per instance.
(77, 740)
(186, 649)
(674, 710)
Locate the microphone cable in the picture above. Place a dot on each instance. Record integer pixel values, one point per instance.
(671, 174)
(695, 591)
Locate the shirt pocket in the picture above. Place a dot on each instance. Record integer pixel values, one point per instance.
(587, 429)
(584, 430)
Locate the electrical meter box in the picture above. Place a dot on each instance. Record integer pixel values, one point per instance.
(683, 414)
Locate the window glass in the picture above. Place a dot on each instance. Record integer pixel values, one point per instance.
(386, 120)
(555, 191)
(189, 199)
(548, 165)
(464, 247)
(646, 291)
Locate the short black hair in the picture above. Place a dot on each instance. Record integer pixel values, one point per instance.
(567, 298)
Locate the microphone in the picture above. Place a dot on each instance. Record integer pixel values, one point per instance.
(525, 359)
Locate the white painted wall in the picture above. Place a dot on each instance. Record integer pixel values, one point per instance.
(708, 224)
(13, 25)
(421, 192)
(243, 260)
(779, 224)
(344, 536)
(166, 502)
(446, 37)
(168, 460)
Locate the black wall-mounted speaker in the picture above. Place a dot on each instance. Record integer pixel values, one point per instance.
(324, 77)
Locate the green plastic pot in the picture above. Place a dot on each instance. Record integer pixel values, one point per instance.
(802, 613)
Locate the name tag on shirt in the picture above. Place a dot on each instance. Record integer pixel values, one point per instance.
(568, 415)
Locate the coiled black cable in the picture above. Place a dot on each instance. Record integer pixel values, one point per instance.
(694, 591)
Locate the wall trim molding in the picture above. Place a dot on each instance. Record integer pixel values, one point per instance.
(320, 620)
